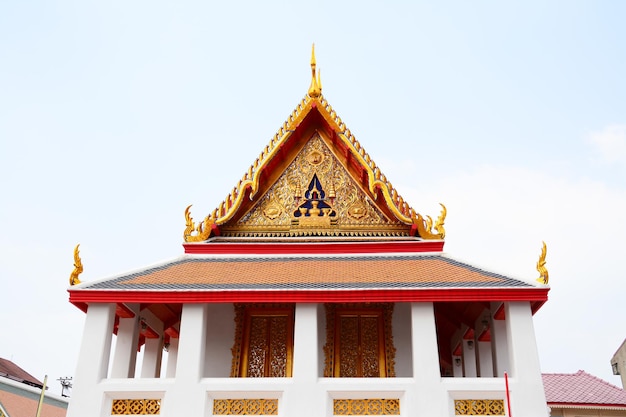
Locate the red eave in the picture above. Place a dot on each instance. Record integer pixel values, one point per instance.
(267, 248)
(537, 296)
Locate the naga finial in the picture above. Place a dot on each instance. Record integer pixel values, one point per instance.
(198, 233)
(541, 265)
(315, 90)
(78, 267)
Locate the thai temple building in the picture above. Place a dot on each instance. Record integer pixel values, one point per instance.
(313, 290)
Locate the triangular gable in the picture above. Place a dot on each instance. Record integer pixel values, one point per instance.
(266, 201)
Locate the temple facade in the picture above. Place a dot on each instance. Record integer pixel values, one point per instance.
(313, 289)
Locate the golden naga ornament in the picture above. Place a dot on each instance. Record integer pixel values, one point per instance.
(541, 265)
(195, 233)
(78, 267)
(425, 225)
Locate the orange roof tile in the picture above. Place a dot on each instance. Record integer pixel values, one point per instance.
(359, 272)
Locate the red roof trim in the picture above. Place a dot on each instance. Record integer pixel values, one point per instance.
(267, 248)
(536, 295)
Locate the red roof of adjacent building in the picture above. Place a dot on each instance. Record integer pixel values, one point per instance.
(582, 390)
(10, 370)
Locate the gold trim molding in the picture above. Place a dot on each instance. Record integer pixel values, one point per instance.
(136, 407)
(479, 407)
(245, 406)
(367, 407)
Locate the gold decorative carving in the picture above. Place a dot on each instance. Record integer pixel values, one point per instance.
(78, 267)
(315, 90)
(195, 233)
(263, 344)
(238, 407)
(367, 407)
(365, 328)
(136, 407)
(541, 265)
(273, 210)
(425, 225)
(376, 180)
(355, 213)
(479, 407)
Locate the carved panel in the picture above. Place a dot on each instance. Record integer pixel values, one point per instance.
(275, 210)
(263, 340)
(359, 341)
(366, 407)
(479, 407)
(238, 407)
(136, 407)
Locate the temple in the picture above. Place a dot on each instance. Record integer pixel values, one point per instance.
(313, 289)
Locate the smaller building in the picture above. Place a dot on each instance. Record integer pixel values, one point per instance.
(20, 393)
(581, 394)
(618, 363)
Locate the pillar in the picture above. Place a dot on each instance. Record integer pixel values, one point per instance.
(126, 344)
(527, 392)
(428, 397)
(93, 361)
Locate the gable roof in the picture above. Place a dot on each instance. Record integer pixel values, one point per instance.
(582, 390)
(312, 118)
(11, 371)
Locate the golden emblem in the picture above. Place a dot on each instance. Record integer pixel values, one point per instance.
(357, 210)
(78, 267)
(541, 265)
(315, 157)
(272, 211)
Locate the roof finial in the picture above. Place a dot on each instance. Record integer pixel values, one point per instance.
(315, 90)
(78, 267)
(541, 265)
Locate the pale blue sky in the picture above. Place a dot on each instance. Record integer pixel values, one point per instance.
(114, 116)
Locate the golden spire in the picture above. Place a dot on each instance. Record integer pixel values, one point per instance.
(78, 267)
(541, 265)
(315, 90)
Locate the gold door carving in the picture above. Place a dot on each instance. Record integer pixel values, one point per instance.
(359, 341)
(264, 341)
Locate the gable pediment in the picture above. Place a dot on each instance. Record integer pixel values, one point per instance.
(315, 195)
(314, 148)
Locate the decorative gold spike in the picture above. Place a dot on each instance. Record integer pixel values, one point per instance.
(78, 267)
(541, 265)
(202, 231)
(315, 90)
(425, 225)
(440, 222)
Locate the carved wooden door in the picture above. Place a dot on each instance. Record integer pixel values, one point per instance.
(267, 343)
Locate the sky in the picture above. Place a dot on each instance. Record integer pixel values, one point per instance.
(114, 116)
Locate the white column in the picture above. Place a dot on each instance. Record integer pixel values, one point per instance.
(485, 359)
(526, 386)
(93, 361)
(172, 358)
(499, 343)
(152, 356)
(469, 358)
(457, 366)
(428, 397)
(305, 399)
(126, 344)
(187, 397)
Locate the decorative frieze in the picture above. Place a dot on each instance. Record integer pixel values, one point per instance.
(143, 407)
(245, 406)
(367, 407)
(479, 407)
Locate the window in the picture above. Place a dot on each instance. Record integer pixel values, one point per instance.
(264, 341)
(359, 341)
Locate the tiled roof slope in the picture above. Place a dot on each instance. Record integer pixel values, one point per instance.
(191, 272)
(18, 402)
(11, 371)
(580, 389)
